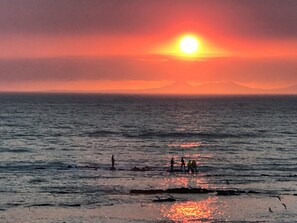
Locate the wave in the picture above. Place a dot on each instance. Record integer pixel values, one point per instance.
(153, 134)
(173, 134)
(288, 132)
(42, 205)
(69, 205)
(101, 133)
(15, 150)
(54, 205)
(23, 166)
(37, 181)
(28, 135)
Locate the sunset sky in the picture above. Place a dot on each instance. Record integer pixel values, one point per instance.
(97, 45)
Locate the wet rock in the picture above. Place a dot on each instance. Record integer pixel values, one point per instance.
(40, 168)
(156, 191)
(228, 192)
(184, 190)
(140, 169)
(74, 205)
(176, 171)
(252, 192)
(169, 199)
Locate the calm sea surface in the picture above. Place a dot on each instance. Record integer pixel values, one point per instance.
(55, 152)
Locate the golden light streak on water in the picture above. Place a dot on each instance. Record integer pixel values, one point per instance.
(189, 211)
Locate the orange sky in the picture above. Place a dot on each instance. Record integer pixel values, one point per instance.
(110, 45)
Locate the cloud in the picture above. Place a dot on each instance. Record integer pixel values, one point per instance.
(120, 69)
(261, 18)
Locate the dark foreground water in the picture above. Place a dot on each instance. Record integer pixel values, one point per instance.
(55, 154)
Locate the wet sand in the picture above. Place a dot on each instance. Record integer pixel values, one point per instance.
(187, 208)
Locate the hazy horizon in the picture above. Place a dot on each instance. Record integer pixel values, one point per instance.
(184, 88)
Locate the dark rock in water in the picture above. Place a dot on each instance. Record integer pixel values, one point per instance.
(42, 205)
(175, 171)
(228, 192)
(70, 205)
(40, 168)
(140, 169)
(112, 168)
(184, 190)
(252, 192)
(69, 166)
(135, 169)
(157, 191)
(74, 205)
(170, 199)
(13, 204)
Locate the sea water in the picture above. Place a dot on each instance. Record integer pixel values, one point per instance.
(55, 156)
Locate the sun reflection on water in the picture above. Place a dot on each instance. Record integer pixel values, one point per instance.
(192, 211)
(185, 144)
(186, 181)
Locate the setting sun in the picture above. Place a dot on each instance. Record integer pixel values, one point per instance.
(189, 44)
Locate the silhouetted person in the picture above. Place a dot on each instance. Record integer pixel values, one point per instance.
(227, 182)
(194, 166)
(190, 166)
(112, 162)
(171, 164)
(182, 164)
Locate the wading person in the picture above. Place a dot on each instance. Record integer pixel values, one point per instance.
(182, 164)
(112, 162)
(194, 165)
(190, 169)
(171, 164)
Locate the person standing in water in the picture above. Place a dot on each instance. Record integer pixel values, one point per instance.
(190, 166)
(171, 164)
(182, 164)
(112, 162)
(194, 166)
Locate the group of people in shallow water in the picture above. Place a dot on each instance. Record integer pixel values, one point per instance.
(192, 165)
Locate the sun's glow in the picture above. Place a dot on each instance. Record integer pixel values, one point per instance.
(189, 44)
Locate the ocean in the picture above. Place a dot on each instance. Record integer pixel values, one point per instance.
(55, 157)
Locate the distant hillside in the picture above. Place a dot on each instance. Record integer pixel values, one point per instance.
(175, 88)
(208, 88)
(225, 88)
(287, 90)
